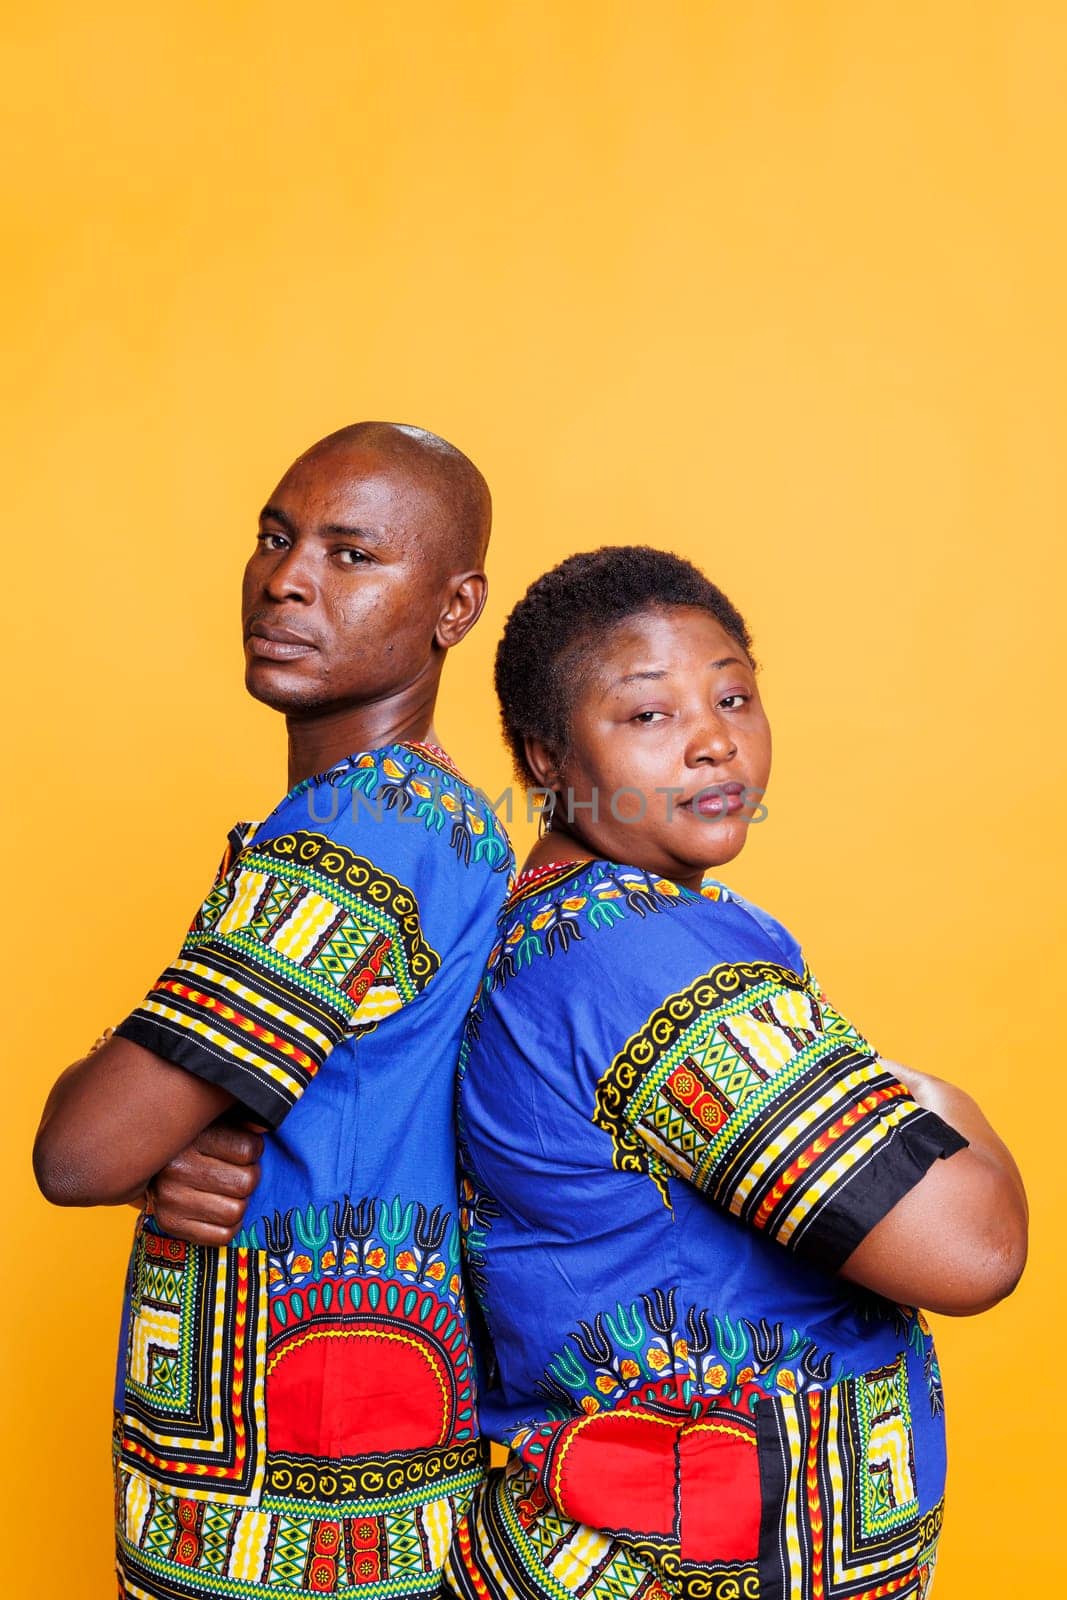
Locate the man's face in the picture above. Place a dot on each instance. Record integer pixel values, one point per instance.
(343, 592)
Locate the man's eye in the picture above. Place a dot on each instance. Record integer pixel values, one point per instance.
(271, 541)
(647, 716)
(351, 557)
(733, 702)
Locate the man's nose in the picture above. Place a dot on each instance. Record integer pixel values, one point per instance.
(290, 577)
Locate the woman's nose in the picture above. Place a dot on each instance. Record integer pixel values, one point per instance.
(713, 740)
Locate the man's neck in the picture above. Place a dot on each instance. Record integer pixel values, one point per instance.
(319, 742)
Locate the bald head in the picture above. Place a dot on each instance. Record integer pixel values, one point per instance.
(446, 479)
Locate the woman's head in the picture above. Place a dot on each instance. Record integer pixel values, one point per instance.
(627, 687)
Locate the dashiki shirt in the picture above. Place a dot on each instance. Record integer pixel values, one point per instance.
(671, 1141)
(296, 1412)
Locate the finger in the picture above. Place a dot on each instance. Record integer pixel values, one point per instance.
(239, 1146)
(176, 1203)
(194, 1232)
(202, 1172)
(193, 1170)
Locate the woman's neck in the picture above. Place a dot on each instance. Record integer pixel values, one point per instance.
(559, 845)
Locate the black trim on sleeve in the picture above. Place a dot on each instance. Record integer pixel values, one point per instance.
(891, 1171)
(268, 1103)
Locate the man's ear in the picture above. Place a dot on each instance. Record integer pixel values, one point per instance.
(466, 599)
(542, 762)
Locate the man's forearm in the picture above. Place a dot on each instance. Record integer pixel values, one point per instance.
(114, 1119)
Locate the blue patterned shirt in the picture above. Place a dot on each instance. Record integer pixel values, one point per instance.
(297, 1412)
(671, 1140)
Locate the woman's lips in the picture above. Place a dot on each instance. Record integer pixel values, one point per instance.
(718, 800)
(277, 649)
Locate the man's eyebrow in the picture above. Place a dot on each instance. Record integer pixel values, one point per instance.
(342, 530)
(273, 514)
(662, 672)
(332, 530)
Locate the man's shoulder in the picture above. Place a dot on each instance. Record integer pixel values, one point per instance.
(407, 809)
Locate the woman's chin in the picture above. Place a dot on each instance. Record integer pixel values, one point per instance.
(714, 842)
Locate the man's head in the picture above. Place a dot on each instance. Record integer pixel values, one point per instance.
(367, 568)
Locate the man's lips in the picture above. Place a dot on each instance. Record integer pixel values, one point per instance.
(277, 644)
(716, 800)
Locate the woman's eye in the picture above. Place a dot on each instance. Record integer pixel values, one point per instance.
(733, 702)
(647, 716)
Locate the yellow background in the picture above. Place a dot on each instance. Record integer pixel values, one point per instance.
(779, 286)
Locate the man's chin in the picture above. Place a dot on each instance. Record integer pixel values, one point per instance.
(280, 690)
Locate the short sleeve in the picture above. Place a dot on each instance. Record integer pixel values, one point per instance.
(301, 940)
(751, 1086)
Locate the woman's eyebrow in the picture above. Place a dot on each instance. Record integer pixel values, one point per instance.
(663, 672)
(639, 677)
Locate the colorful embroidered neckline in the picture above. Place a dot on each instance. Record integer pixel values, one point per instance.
(551, 874)
(431, 753)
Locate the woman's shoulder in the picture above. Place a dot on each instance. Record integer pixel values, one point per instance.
(769, 926)
(582, 928)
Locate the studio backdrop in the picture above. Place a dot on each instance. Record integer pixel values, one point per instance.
(776, 286)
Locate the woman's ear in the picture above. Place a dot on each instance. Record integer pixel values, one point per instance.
(542, 762)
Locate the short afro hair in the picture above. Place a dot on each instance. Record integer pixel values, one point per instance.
(552, 633)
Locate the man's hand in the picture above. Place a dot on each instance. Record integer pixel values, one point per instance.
(202, 1194)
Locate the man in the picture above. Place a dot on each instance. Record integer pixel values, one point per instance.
(295, 1409)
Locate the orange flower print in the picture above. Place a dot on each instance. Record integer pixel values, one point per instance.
(274, 1275)
(436, 1271)
(717, 1377)
(329, 1260)
(605, 1383)
(454, 1283)
(376, 1258)
(786, 1380)
(656, 1358)
(589, 1404)
(746, 1375)
(406, 1261)
(681, 1349)
(301, 1263)
(630, 1369)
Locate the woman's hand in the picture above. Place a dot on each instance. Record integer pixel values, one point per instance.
(956, 1243)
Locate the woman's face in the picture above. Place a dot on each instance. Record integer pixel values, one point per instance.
(670, 746)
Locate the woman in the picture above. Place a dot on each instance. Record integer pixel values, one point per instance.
(698, 1204)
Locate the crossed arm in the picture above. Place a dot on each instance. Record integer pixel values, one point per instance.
(956, 1243)
(123, 1122)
